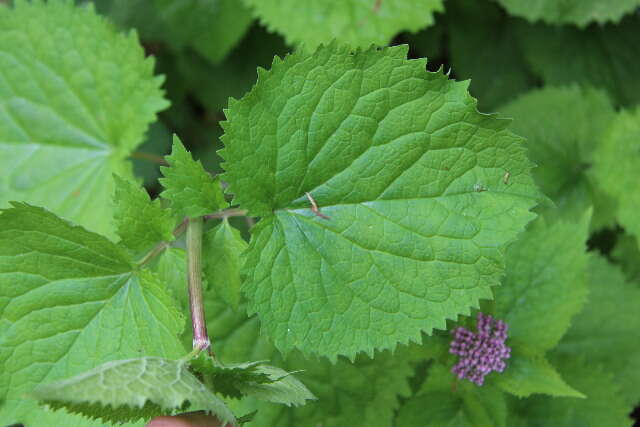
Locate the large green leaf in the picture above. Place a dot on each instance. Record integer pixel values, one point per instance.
(579, 12)
(602, 56)
(602, 333)
(69, 301)
(125, 390)
(354, 22)
(564, 153)
(617, 162)
(76, 98)
(411, 178)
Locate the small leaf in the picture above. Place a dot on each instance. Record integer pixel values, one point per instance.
(191, 190)
(351, 22)
(410, 176)
(255, 379)
(140, 222)
(222, 249)
(127, 390)
(528, 374)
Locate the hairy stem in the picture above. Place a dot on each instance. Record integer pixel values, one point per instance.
(196, 302)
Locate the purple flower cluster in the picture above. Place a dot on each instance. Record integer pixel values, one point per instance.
(482, 352)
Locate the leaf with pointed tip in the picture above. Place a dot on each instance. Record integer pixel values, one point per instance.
(579, 12)
(530, 373)
(127, 390)
(603, 405)
(222, 248)
(254, 379)
(75, 301)
(68, 121)
(191, 190)
(410, 176)
(354, 22)
(140, 222)
(617, 162)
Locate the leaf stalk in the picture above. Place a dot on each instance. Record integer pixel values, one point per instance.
(194, 274)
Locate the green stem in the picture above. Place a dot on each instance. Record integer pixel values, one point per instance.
(194, 275)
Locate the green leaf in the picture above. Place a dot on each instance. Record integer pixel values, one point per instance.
(126, 390)
(75, 301)
(69, 121)
(546, 283)
(171, 270)
(410, 176)
(579, 12)
(626, 253)
(481, 48)
(222, 249)
(616, 168)
(354, 22)
(140, 223)
(211, 27)
(442, 401)
(528, 374)
(602, 333)
(601, 56)
(254, 379)
(191, 190)
(202, 25)
(603, 406)
(564, 153)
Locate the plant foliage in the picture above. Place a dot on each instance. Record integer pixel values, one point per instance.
(281, 214)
